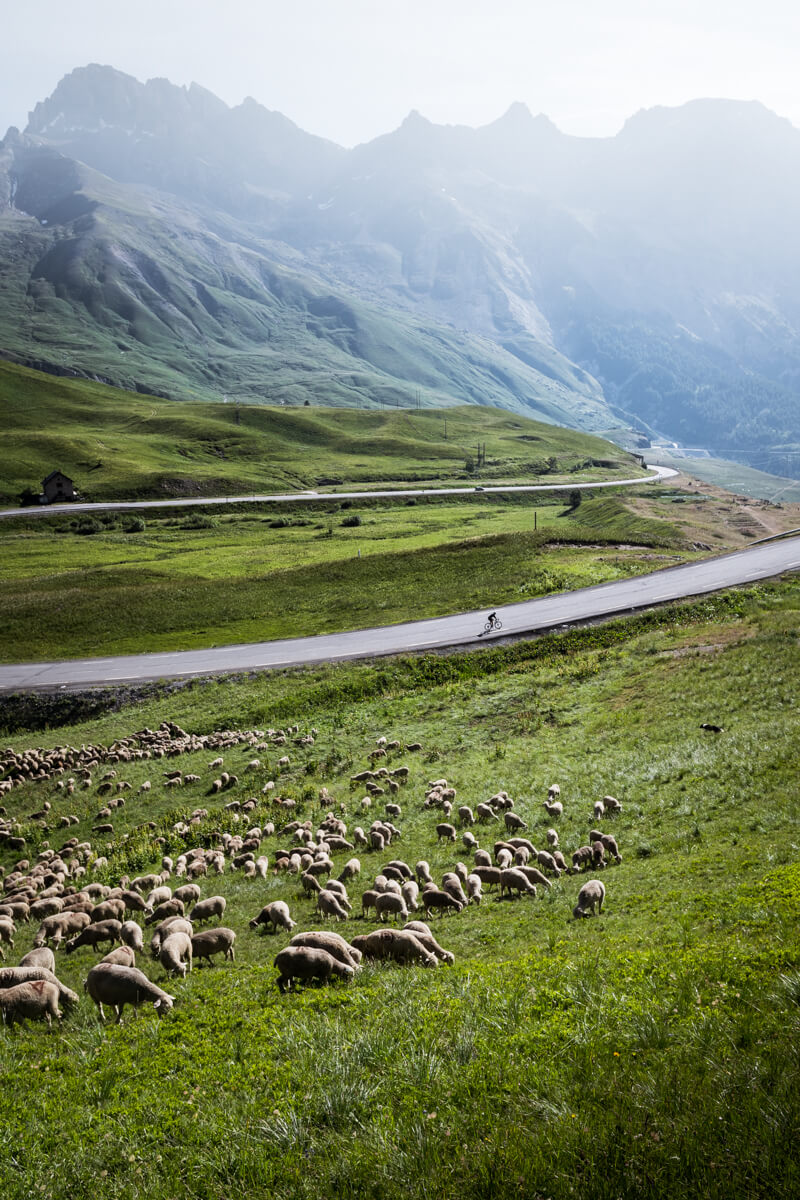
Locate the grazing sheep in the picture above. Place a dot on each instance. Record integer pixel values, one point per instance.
(483, 858)
(451, 883)
(121, 956)
(214, 941)
(469, 840)
(591, 895)
(206, 910)
(171, 925)
(368, 900)
(423, 935)
(513, 880)
(599, 809)
(553, 792)
(559, 860)
(36, 1000)
(389, 904)
(582, 857)
(7, 931)
(552, 839)
(548, 862)
(328, 905)
(351, 869)
(397, 864)
(434, 899)
(187, 893)
(485, 812)
(340, 891)
(400, 946)
(514, 822)
(157, 896)
(333, 943)
(275, 914)
(410, 893)
(423, 872)
(41, 957)
(175, 954)
(11, 976)
(445, 832)
(169, 908)
(521, 856)
(474, 888)
(466, 815)
(598, 854)
(109, 983)
(405, 947)
(306, 963)
(612, 804)
(556, 809)
(488, 875)
(504, 858)
(62, 925)
(93, 935)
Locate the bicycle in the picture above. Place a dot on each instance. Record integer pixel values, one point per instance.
(490, 625)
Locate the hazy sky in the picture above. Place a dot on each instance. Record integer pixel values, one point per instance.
(351, 69)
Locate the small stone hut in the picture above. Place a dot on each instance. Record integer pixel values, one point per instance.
(56, 487)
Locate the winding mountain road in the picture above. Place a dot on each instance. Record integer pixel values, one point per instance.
(48, 510)
(531, 616)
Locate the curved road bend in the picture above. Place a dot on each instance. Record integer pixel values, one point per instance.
(44, 510)
(673, 583)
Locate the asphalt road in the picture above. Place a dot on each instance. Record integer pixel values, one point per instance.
(49, 510)
(743, 566)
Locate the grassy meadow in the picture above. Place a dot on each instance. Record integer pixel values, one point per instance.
(121, 445)
(651, 1051)
(125, 583)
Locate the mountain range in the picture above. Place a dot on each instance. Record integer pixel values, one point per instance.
(154, 237)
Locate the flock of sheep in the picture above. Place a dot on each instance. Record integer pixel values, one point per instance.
(66, 892)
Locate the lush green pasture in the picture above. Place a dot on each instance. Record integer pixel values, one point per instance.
(650, 1052)
(120, 445)
(202, 580)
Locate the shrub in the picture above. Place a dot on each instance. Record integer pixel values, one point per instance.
(87, 526)
(135, 525)
(28, 496)
(198, 521)
(352, 520)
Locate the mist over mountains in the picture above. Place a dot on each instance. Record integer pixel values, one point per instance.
(153, 236)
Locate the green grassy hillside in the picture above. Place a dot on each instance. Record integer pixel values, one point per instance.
(651, 1051)
(120, 445)
(127, 583)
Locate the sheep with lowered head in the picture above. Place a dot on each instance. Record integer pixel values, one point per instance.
(275, 914)
(333, 943)
(42, 956)
(109, 983)
(36, 1000)
(305, 963)
(214, 941)
(591, 896)
(175, 954)
(328, 905)
(206, 910)
(390, 904)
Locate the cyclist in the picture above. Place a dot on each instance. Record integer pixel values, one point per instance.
(491, 620)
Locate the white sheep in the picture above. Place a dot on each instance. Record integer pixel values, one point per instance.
(175, 954)
(275, 914)
(556, 809)
(108, 983)
(390, 904)
(591, 896)
(214, 941)
(474, 888)
(306, 963)
(333, 943)
(35, 1000)
(552, 838)
(328, 906)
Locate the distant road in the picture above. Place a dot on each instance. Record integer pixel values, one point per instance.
(462, 629)
(44, 510)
